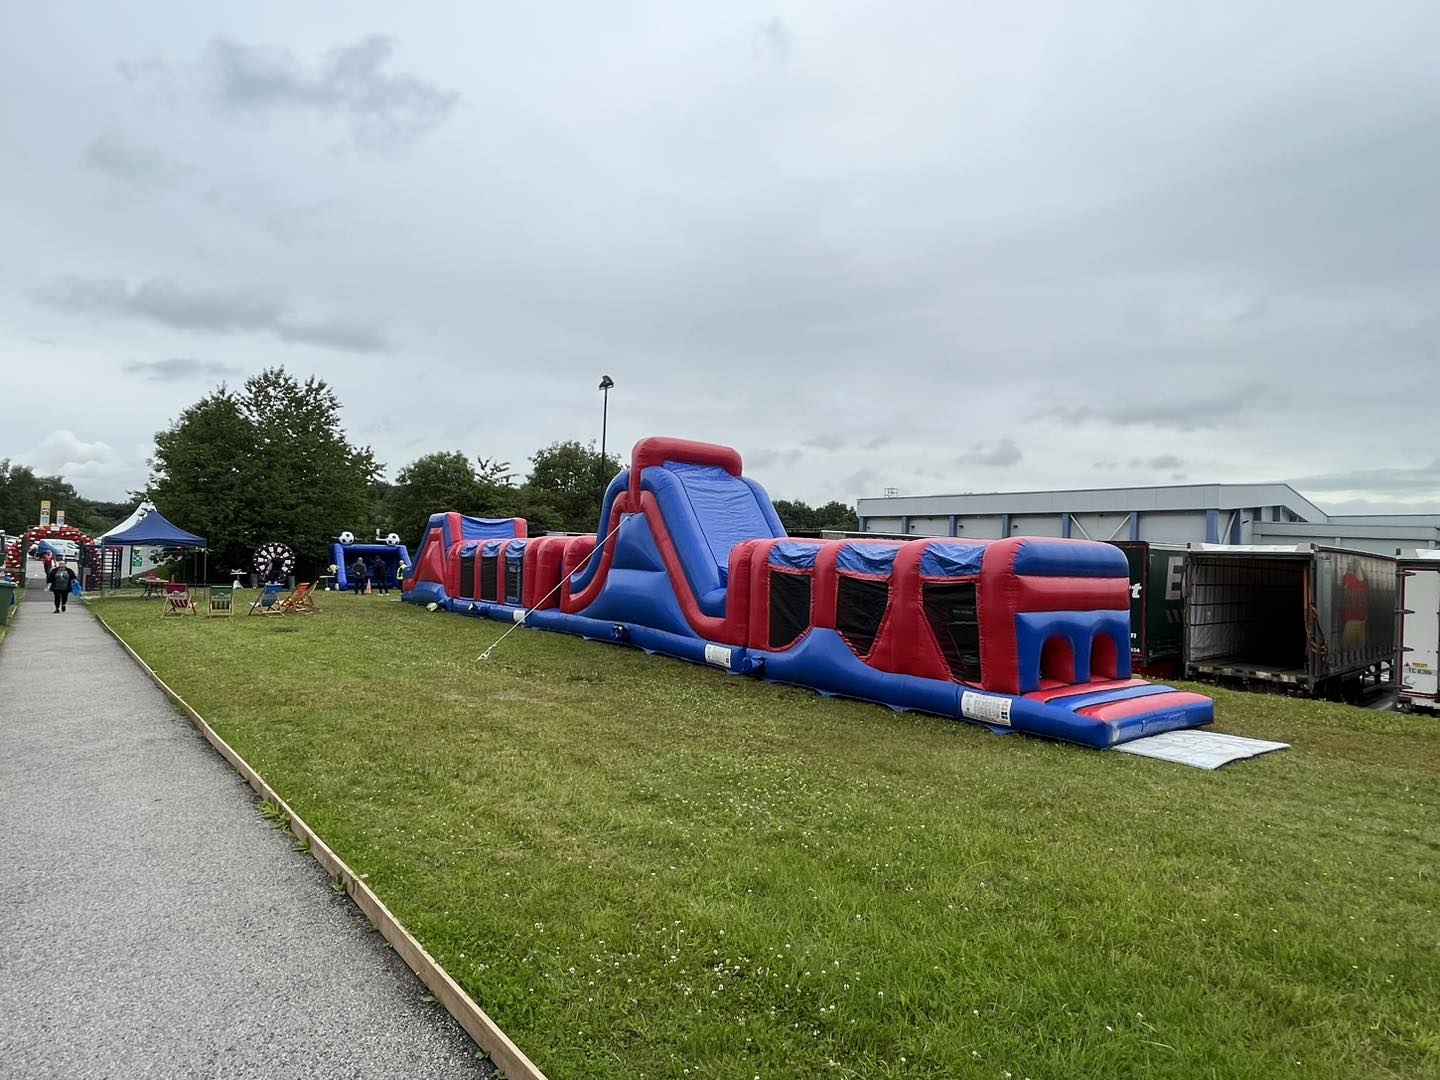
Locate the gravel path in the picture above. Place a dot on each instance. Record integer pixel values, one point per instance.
(152, 923)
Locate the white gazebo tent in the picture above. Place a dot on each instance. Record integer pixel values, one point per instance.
(133, 559)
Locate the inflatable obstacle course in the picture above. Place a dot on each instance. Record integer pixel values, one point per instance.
(1029, 634)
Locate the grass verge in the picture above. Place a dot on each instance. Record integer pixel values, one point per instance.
(643, 868)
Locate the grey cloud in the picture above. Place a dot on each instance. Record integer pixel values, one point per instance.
(774, 40)
(704, 196)
(211, 311)
(284, 221)
(121, 159)
(1185, 410)
(833, 442)
(177, 368)
(998, 452)
(384, 108)
(864, 482)
(1105, 466)
(136, 71)
(768, 458)
(1160, 461)
(459, 429)
(1417, 480)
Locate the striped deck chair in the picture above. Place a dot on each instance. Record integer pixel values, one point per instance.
(301, 601)
(222, 602)
(268, 602)
(177, 599)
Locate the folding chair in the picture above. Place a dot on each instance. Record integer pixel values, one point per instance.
(222, 602)
(268, 602)
(301, 601)
(177, 599)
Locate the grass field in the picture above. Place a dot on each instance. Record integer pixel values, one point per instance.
(643, 868)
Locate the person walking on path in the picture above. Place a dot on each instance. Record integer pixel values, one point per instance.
(359, 571)
(61, 580)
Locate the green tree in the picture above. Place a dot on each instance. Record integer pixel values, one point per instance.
(19, 497)
(495, 493)
(21, 492)
(796, 516)
(271, 462)
(800, 517)
(448, 480)
(202, 477)
(569, 478)
(837, 515)
(429, 485)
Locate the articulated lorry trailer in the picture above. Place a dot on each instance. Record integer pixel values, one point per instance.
(1304, 618)
(1417, 662)
(1157, 607)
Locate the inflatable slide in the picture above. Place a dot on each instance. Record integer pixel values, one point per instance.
(1027, 633)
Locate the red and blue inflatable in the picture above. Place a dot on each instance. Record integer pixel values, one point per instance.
(1027, 633)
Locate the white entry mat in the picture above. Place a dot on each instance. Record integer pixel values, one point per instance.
(1202, 749)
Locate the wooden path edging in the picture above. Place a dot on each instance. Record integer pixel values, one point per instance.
(508, 1057)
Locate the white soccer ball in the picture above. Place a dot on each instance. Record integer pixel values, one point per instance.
(393, 539)
(347, 537)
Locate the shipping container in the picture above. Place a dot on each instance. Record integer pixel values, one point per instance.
(1310, 619)
(1157, 606)
(1417, 661)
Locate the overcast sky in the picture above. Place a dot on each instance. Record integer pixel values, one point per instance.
(932, 246)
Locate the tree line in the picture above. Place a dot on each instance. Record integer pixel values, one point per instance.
(22, 491)
(271, 460)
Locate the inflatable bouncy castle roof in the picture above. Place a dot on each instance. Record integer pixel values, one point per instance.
(690, 560)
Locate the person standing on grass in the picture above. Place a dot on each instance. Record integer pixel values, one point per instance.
(379, 576)
(358, 573)
(61, 580)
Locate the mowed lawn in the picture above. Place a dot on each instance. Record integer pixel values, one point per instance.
(644, 868)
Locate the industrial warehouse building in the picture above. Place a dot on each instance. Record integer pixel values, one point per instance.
(1171, 514)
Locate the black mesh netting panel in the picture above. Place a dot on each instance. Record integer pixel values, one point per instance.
(859, 607)
(954, 619)
(467, 575)
(789, 607)
(487, 577)
(513, 568)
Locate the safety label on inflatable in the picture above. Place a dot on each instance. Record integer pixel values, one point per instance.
(519, 614)
(717, 655)
(985, 708)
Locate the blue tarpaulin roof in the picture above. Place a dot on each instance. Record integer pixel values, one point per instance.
(153, 530)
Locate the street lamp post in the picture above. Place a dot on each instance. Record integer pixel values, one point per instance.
(605, 385)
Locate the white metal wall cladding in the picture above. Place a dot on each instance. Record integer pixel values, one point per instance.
(1420, 632)
(1037, 525)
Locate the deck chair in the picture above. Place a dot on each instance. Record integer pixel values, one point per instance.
(222, 602)
(268, 602)
(177, 599)
(301, 601)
